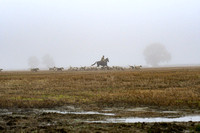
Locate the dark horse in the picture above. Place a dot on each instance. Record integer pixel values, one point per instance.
(101, 63)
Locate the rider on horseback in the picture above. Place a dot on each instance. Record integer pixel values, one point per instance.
(102, 58)
(103, 62)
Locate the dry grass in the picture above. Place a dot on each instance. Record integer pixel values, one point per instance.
(178, 87)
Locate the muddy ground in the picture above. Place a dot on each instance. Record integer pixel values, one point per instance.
(76, 119)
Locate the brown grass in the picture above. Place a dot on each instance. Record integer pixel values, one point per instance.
(178, 87)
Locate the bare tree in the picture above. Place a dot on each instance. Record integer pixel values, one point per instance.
(33, 62)
(48, 61)
(155, 54)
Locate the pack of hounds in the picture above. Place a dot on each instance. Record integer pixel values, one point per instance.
(103, 63)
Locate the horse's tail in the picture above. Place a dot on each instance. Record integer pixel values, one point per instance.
(94, 63)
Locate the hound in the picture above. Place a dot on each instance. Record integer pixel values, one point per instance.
(52, 69)
(117, 68)
(82, 68)
(59, 69)
(136, 67)
(34, 69)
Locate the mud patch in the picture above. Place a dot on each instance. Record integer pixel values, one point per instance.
(77, 119)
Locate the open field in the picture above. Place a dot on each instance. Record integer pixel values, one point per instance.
(163, 88)
(167, 87)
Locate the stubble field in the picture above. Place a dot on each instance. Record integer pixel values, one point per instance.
(151, 87)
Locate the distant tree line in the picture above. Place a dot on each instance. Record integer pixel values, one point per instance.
(47, 61)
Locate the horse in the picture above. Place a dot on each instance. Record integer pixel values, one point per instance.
(101, 63)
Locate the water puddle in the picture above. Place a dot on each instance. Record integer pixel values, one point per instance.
(78, 113)
(193, 118)
(170, 112)
(111, 115)
(5, 112)
(138, 109)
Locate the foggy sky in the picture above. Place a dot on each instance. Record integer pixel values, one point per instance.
(79, 32)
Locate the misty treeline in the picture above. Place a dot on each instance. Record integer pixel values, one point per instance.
(154, 54)
(46, 60)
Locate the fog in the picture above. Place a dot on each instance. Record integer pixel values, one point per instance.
(80, 32)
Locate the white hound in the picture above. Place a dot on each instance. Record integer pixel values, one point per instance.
(136, 67)
(59, 69)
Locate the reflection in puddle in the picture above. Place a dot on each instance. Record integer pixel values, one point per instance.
(81, 113)
(139, 109)
(170, 112)
(149, 120)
